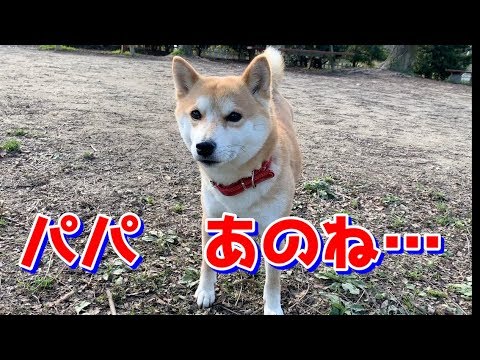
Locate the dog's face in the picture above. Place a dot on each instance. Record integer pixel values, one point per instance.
(223, 119)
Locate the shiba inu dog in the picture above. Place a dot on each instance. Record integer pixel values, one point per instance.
(239, 129)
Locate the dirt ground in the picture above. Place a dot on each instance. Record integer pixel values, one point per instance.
(100, 136)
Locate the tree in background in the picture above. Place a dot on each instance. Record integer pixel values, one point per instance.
(200, 48)
(241, 50)
(156, 49)
(431, 61)
(366, 54)
(401, 58)
(186, 50)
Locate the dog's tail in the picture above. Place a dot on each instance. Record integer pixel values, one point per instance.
(275, 59)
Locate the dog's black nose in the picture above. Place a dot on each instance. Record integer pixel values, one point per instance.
(206, 148)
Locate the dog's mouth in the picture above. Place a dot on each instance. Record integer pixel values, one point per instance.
(209, 162)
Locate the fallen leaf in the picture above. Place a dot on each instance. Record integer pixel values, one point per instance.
(81, 306)
(118, 271)
(352, 289)
(462, 289)
(149, 238)
(117, 262)
(94, 311)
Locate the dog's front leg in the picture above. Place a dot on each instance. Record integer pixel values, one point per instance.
(271, 292)
(205, 293)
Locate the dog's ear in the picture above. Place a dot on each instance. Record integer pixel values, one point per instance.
(257, 76)
(184, 76)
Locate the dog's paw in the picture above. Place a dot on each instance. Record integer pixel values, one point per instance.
(272, 310)
(205, 296)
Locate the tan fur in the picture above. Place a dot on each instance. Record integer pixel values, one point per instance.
(255, 95)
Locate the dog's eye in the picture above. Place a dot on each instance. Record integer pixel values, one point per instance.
(195, 114)
(233, 117)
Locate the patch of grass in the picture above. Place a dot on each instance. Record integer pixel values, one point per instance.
(41, 283)
(336, 306)
(67, 48)
(11, 145)
(178, 208)
(148, 200)
(321, 188)
(88, 155)
(17, 132)
(3, 222)
(419, 187)
(52, 47)
(350, 286)
(436, 293)
(119, 52)
(141, 279)
(437, 195)
(462, 223)
(459, 224)
(444, 220)
(391, 199)
(414, 275)
(407, 302)
(101, 299)
(177, 52)
(328, 179)
(163, 241)
(382, 274)
(164, 277)
(441, 207)
(355, 203)
(447, 254)
(46, 47)
(339, 306)
(113, 270)
(329, 274)
(398, 222)
(191, 277)
(465, 289)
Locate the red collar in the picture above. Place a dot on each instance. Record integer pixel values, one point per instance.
(258, 175)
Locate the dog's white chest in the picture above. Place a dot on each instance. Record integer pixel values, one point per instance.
(241, 204)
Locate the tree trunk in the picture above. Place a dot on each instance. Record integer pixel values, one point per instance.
(332, 59)
(187, 49)
(401, 58)
(309, 62)
(251, 53)
(132, 49)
